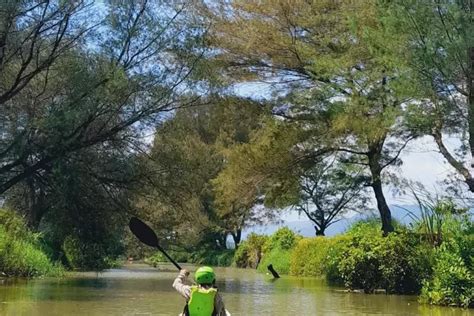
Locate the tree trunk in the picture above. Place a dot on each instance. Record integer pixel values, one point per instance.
(375, 151)
(35, 206)
(237, 236)
(459, 166)
(470, 87)
(319, 232)
(384, 210)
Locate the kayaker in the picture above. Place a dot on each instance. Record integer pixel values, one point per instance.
(201, 299)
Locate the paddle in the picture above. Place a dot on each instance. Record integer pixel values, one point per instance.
(147, 236)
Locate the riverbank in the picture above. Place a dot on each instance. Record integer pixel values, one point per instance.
(21, 252)
(436, 267)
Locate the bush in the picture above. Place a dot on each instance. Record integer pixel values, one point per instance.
(284, 239)
(158, 257)
(277, 250)
(220, 258)
(396, 263)
(317, 257)
(20, 250)
(89, 255)
(453, 277)
(279, 258)
(334, 256)
(249, 252)
(453, 281)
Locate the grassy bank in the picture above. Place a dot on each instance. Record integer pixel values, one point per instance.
(21, 253)
(433, 263)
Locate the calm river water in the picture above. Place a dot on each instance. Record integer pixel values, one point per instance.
(141, 290)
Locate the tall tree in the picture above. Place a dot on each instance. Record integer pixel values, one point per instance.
(279, 169)
(75, 74)
(81, 82)
(438, 49)
(187, 153)
(328, 191)
(328, 62)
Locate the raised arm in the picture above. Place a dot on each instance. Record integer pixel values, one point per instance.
(180, 286)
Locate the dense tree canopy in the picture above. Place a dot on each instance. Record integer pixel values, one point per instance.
(333, 73)
(119, 108)
(188, 152)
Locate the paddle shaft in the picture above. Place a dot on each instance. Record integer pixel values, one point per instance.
(169, 258)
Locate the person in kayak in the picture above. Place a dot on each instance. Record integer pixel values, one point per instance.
(201, 299)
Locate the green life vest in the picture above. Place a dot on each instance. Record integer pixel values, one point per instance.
(201, 302)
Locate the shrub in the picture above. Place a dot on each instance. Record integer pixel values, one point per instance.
(453, 281)
(277, 250)
(20, 250)
(453, 277)
(279, 258)
(334, 256)
(309, 255)
(220, 258)
(89, 255)
(396, 263)
(284, 238)
(158, 257)
(249, 252)
(318, 256)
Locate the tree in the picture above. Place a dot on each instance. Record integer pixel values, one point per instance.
(328, 192)
(187, 154)
(275, 168)
(70, 82)
(331, 68)
(437, 48)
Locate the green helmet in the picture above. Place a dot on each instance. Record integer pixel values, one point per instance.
(205, 275)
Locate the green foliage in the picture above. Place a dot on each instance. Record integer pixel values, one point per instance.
(158, 257)
(347, 98)
(90, 254)
(396, 263)
(317, 257)
(188, 153)
(258, 251)
(277, 250)
(334, 256)
(435, 213)
(222, 258)
(284, 239)
(453, 281)
(279, 258)
(20, 250)
(453, 274)
(249, 252)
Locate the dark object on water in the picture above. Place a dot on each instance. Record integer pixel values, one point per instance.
(147, 236)
(274, 273)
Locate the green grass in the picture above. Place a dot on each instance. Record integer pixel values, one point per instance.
(24, 258)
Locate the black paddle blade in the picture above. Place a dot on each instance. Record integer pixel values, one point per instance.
(143, 232)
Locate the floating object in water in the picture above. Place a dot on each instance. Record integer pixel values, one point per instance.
(274, 273)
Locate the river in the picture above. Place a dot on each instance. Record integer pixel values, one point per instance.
(141, 290)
